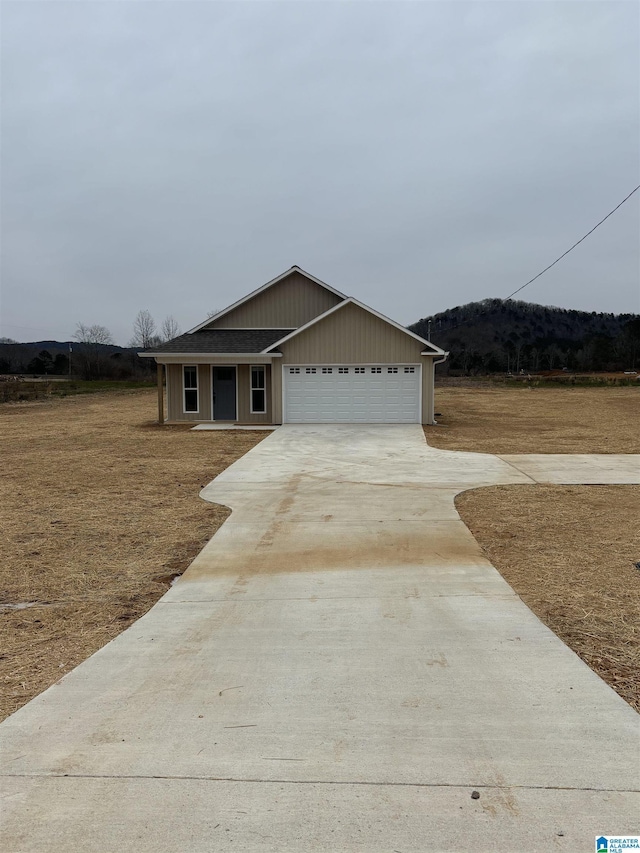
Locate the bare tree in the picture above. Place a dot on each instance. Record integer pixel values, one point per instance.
(169, 329)
(93, 335)
(90, 361)
(144, 328)
(552, 354)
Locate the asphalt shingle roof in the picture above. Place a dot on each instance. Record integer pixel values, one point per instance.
(223, 341)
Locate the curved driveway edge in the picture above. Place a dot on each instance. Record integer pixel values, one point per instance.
(338, 670)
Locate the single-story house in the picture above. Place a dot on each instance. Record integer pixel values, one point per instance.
(297, 351)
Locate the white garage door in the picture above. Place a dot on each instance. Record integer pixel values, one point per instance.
(383, 394)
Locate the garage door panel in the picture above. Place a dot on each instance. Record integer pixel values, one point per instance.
(337, 394)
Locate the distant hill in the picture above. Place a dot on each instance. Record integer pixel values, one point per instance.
(510, 335)
(88, 361)
(491, 336)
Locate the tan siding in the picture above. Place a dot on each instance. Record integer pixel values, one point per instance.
(243, 393)
(174, 392)
(288, 304)
(276, 378)
(204, 384)
(427, 390)
(175, 399)
(352, 335)
(244, 396)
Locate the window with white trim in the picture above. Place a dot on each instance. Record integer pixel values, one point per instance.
(190, 384)
(359, 369)
(343, 370)
(294, 370)
(327, 369)
(392, 369)
(409, 370)
(309, 370)
(376, 370)
(258, 390)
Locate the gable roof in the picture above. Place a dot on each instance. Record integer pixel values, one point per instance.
(430, 349)
(264, 287)
(220, 341)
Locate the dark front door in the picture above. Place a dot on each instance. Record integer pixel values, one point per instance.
(224, 393)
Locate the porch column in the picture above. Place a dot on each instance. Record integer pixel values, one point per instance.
(160, 395)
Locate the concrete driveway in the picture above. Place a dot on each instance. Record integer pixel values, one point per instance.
(338, 670)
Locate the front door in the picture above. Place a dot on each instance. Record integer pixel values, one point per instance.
(224, 393)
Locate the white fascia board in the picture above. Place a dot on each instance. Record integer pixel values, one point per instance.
(265, 287)
(434, 349)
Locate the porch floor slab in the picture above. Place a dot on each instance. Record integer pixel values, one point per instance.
(252, 427)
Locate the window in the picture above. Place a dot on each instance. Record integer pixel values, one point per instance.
(309, 370)
(392, 369)
(190, 375)
(359, 369)
(327, 369)
(376, 370)
(294, 370)
(343, 370)
(258, 390)
(409, 370)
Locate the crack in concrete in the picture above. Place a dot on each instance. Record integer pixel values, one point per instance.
(456, 785)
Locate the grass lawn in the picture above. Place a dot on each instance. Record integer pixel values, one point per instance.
(99, 509)
(568, 551)
(537, 420)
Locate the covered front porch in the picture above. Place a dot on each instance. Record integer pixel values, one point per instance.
(238, 391)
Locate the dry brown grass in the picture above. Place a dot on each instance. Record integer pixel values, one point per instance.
(537, 420)
(570, 553)
(99, 509)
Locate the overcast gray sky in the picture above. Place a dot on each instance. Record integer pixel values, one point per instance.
(416, 155)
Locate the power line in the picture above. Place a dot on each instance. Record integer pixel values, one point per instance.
(522, 287)
(574, 245)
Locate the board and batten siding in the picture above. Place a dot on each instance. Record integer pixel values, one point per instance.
(244, 396)
(276, 391)
(428, 370)
(175, 398)
(351, 335)
(288, 304)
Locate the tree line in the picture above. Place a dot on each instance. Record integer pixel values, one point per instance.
(92, 353)
(499, 335)
(491, 336)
